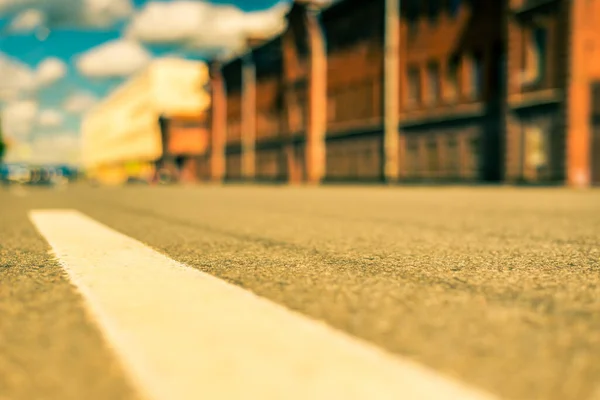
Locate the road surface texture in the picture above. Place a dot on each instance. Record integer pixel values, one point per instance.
(498, 288)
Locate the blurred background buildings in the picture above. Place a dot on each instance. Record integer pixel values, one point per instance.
(438, 90)
(370, 91)
(155, 121)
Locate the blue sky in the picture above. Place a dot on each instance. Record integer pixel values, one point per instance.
(58, 57)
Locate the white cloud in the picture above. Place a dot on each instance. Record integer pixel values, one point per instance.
(71, 13)
(19, 118)
(50, 70)
(203, 25)
(50, 118)
(80, 102)
(118, 58)
(18, 80)
(27, 21)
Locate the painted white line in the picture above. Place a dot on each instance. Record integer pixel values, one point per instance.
(184, 334)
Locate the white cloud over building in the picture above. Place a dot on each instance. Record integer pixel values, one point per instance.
(202, 25)
(114, 59)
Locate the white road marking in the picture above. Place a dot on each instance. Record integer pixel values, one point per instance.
(184, 334)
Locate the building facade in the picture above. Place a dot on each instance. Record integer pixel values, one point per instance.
(552, 95)
(271, 163)
(140, 127)
(451, 90)
(420, 91)
(583, 142)
(355, 96)
(185, 148)
(232, 77)
(537, 36)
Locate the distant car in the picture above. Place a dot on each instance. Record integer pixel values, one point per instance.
(41, 176)
(18, 174)
(134, 180)
(165, 177)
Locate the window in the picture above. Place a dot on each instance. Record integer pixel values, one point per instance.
(534, 60)
(476, 75)
(412, 156)
(433, 11)
(413, 27)
(432, 156)
(540, 38)
(475, 150)
(433, 77)
(452, 86)
(453, 156)
(454, 7)
(331, 103)
(414, 85)
(412, 11)
(536, 147)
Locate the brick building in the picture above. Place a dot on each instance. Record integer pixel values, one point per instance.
(232, 78)
(217, 121)
(451, 90)
(186, 141)
(270, 158)
(354, 32)
(437, 90)
(553, 70)
(584, 93)
(304, 93)
(268, 104)
(537, 35)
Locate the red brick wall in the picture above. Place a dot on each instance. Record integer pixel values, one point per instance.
(268, 108)
(584, 70)
(270, 164)
(354, 158)
(535, 118)
(355, 67)
(192, 140)
(234, 118)
(455, 118)
(450, 35)
(233, 166)
(442, 152)
(295, 77)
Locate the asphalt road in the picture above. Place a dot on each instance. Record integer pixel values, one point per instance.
(496, 287)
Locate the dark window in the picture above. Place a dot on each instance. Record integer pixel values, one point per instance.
(433, 77)
(477, 75)
(414, 85)
(411, 8)
(474, 148)
(413, 27)
(535, 57)
(433, 10)
(540, 38)
(454, 7)
(452, 86)
(453, 156)
(432, 156)
(412, 153)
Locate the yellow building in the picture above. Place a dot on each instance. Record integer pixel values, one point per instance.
(122, 136)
